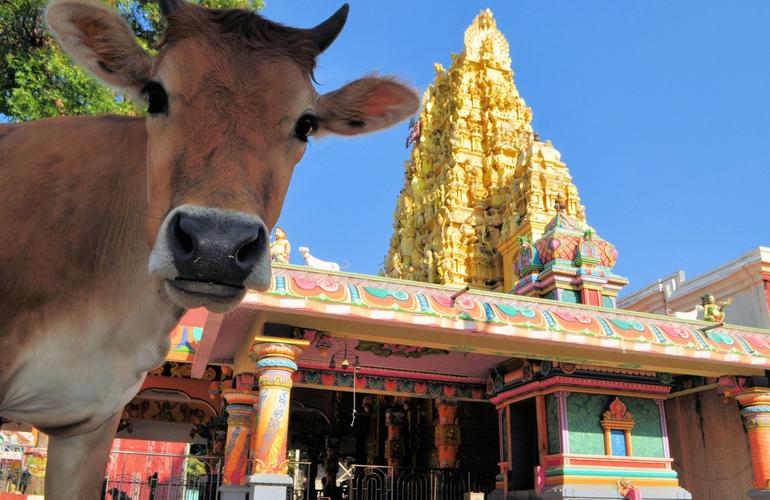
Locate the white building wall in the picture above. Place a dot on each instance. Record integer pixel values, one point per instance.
(741, 279)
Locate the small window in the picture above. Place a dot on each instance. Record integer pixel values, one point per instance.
(618, 443)
(617, 423)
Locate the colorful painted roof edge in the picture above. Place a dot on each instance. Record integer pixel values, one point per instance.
(428, 305)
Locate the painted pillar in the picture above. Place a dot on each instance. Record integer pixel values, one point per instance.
(447, 434)
(502, 429)
(394, 445)
(240, 418)
(276, 361)
(561, 398)
(663, 427)
(755, 409)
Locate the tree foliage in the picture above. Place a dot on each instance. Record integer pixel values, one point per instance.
(38, 80)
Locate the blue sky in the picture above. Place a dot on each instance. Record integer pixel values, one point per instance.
(661, 111)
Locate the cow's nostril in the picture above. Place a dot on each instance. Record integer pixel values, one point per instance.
(184, 243)
(249, 254)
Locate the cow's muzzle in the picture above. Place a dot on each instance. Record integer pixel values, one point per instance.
(209, 257)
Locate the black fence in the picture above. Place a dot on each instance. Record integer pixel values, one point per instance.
(193, 477)
(395, 483)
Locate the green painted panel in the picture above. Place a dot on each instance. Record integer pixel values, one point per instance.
(552, 423)
(584, 411)
(646, 436)
(607, 302)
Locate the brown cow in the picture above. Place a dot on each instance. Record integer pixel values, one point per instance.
(113, 226)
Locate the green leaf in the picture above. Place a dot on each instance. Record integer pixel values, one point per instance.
(38, 81)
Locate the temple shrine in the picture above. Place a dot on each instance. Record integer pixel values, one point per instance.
(492, 359)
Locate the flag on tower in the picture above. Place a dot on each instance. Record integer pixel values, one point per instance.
(414, 132)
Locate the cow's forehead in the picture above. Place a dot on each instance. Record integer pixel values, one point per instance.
(240, 29)
(196, 59)
(195, 66)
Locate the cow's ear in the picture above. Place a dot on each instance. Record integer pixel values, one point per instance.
(365, 105)
(100, 41)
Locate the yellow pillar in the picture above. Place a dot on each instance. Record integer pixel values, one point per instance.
(240, 418)
(276, 362)
(755, 409)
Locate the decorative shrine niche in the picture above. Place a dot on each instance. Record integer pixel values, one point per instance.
(617, 423)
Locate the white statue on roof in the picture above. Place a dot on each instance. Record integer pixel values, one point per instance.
(316, 263)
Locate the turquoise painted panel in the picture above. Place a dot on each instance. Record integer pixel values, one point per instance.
(610, 472)
(552, 423)
(584, 411)
(608, 302)
(646, 436)
(570, 296)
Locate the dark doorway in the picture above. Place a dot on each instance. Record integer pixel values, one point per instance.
(524, 456)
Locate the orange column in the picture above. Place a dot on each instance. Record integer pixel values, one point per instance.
(240, 418)
(755, 409)
(394, 445)
(447, 433)
(276, 361)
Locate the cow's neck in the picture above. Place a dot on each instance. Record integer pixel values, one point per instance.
(78, 196)
(83, 289)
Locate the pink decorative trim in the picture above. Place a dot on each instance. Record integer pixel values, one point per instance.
(396, 373)
(377, 384)
(561, 397)
(560, 459)
(663, 427)
(612, 369)
(542, 385)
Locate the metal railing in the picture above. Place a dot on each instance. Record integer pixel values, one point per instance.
(369, 482)
(163, 477)
(299, 470)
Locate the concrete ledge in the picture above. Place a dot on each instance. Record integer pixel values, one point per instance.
(602, 492)
(268, 486)
(233, 492)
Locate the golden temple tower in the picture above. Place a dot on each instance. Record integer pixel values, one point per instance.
(478, 177)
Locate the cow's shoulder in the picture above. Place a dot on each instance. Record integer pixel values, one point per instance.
(6, 129)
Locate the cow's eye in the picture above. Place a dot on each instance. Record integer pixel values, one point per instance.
(306, 125)
(157, 99)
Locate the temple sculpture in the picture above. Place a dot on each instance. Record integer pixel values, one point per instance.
(478, 177)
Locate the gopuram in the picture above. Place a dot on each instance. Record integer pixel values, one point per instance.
(485, 202)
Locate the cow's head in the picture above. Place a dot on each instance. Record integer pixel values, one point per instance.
(230, 108)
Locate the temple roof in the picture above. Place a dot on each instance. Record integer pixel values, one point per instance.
(369, 307)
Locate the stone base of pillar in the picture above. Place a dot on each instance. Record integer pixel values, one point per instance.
(496, 495)
(604, 492)
(759, 493)
(269, 486)
(233, 492)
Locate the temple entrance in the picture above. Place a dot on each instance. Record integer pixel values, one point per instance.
(388, 447)
(523, 455)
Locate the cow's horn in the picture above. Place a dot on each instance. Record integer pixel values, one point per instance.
(169, 6)
(327, 31)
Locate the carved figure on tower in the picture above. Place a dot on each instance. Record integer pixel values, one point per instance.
(280, 249)
(713, 311)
